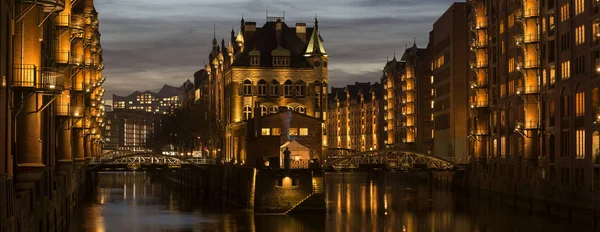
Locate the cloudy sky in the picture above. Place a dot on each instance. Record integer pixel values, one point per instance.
(148, 43)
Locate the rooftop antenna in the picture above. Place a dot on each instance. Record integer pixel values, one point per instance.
(415, 41)
(394, 55)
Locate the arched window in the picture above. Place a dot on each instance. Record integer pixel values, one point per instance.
(288, 88)
(247, 112)
(263, 110)
(262, 88)
(301, 109)
(274, 88)
(247, 87)
(273, 109)
(300, 88)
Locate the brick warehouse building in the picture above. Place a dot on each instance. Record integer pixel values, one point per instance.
(260, 70)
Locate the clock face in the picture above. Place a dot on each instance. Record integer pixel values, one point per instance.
(325, 64)
(317, 63)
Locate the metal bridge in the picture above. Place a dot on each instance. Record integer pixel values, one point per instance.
(134, 160)
(342, 158)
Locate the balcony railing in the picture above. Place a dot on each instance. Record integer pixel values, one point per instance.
(77, 111)
(478, 132)
(528, 89)
(477, 64)
(88, 61)
(39, 78)
(478, 104)
(531, 12)
(62, 57)
(528, 125)
(49, 5)
(477, 43)
(62, 20)
(474, 84)
(478, 25)
(76, 59)
(63, 109)
(527, 38)
(77, 23)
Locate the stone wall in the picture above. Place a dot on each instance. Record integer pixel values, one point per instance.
(263, 191)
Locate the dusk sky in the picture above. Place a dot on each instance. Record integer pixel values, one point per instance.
(148, 43)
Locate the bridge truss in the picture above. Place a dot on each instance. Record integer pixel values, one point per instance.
(389, 158)
(137, 159)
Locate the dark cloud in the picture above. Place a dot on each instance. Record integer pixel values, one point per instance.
(148, 43)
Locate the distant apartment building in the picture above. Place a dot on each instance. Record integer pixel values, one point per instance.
(449, 49)
(133, 119)
(407, 109)
(165, 101)
(355, 117)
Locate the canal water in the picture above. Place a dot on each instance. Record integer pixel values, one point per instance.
(132, 201)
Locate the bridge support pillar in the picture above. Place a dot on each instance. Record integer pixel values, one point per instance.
(64, 149)
(78, 153)
(87, 147)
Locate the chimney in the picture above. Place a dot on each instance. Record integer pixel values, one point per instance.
(301, 31)
(249, 30)
(257, 119)
(278, 31)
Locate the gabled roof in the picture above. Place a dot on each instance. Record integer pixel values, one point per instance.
(265, 41)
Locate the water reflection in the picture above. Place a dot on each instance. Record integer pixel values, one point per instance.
(132, 201)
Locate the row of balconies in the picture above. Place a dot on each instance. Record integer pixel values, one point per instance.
(48, 5)
(527, 64)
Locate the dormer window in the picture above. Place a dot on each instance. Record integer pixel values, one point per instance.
(254, 57)
(255, 60)
(281, 57)
(281, 61)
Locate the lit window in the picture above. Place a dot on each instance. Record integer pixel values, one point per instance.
(432, 103)
(274, 88)
(564, 12)
(276, 131)
(580, 144)
(265, 131)
(301, 109)
(247, 87)
(293, 131)
(303, 131)
(580, 35)
(565, 69)
(579, 6)
(262, 88)
(431, 79)
(579, 104)
(273, 109)
(263, 110)
(288, 88)
(300, 88)
(247, 112)
(255, 60)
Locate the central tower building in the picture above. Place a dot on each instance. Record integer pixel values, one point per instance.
(262, 71)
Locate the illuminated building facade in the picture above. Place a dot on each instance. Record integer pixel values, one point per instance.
(134, 118)
(355, 117)
(535, 104)
(274, 65)
(449, 49)
(51, 108)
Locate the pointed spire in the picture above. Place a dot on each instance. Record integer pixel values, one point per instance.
(414, 41)
(214, 34)
(315, 45)
(394, 55)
